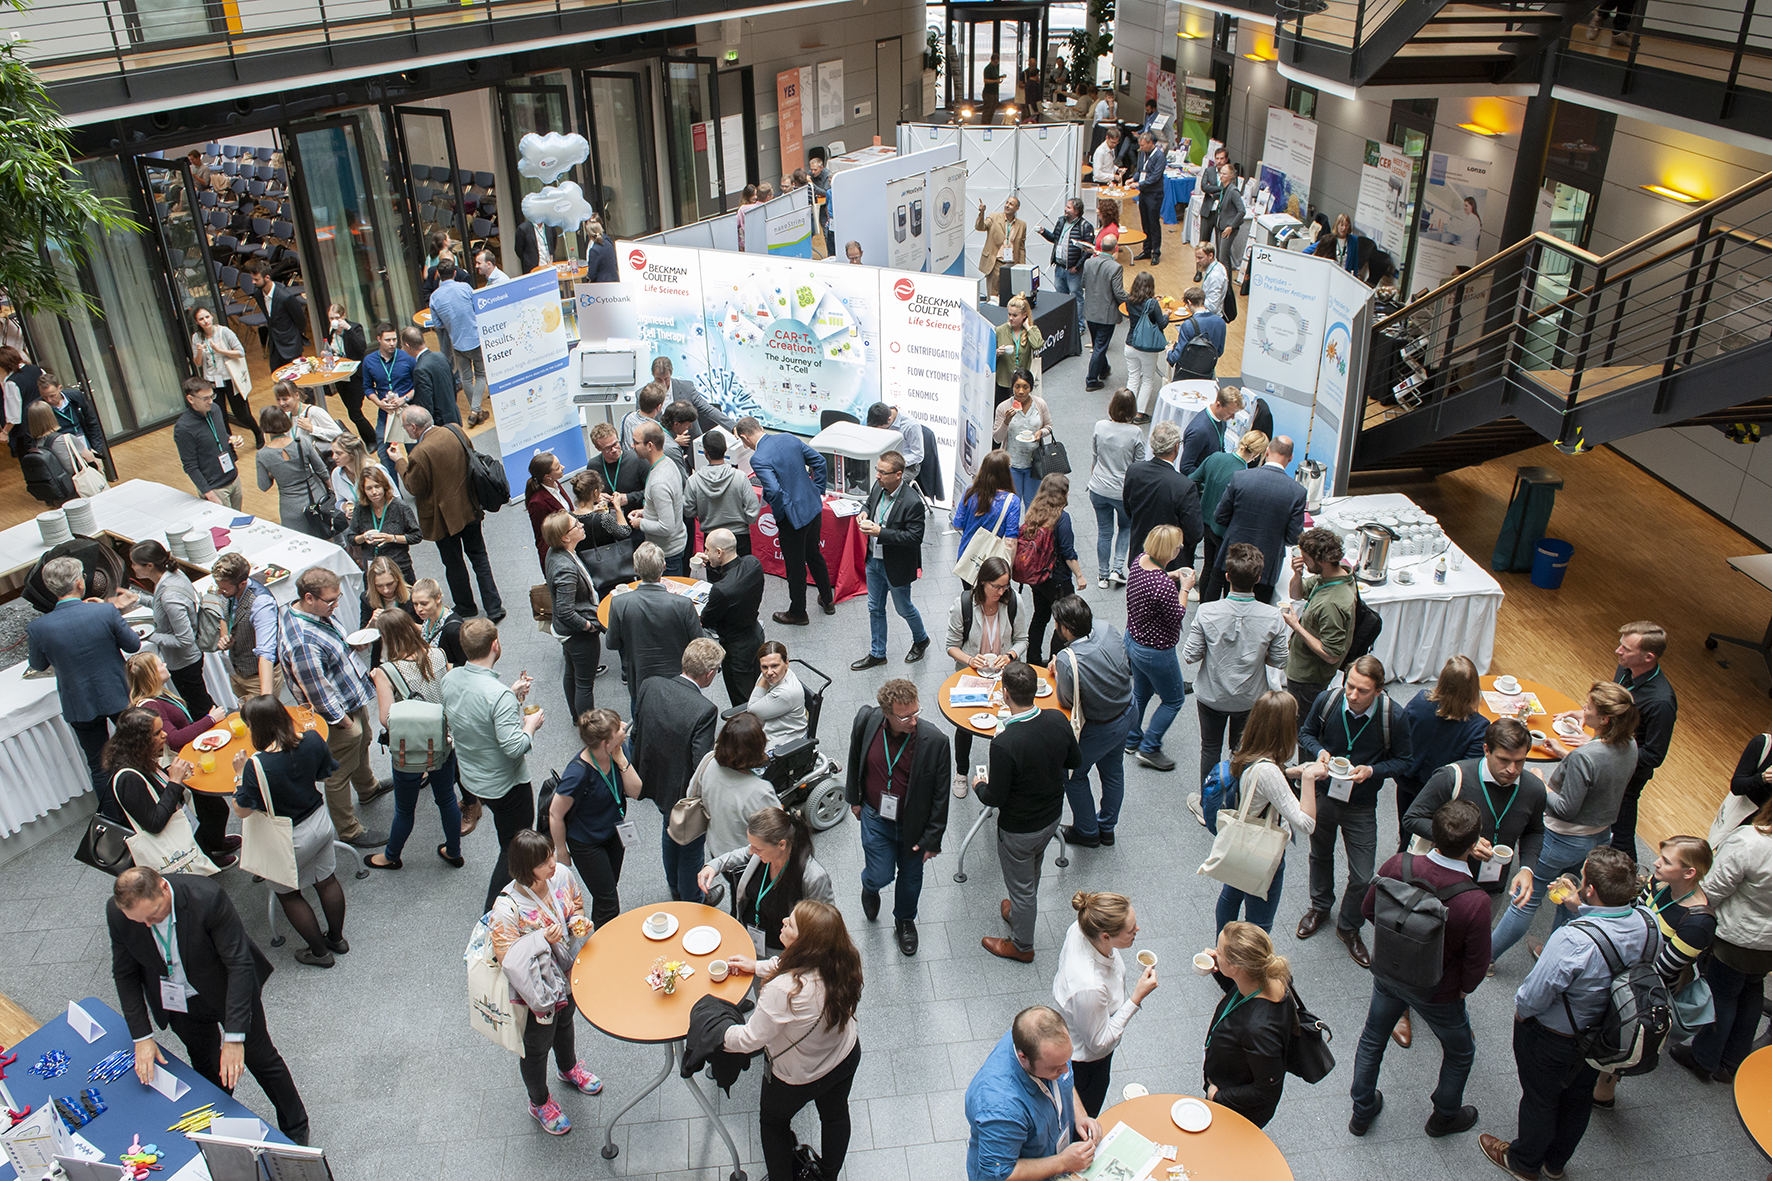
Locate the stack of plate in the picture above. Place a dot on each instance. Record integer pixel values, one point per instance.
(175, 540)
(54, 527)
(199, 546)
(81, 519)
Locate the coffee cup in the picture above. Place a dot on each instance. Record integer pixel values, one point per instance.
(1504, 853)
(1507, 685)
(1204, 963)
(1148, 958)
(1340, 767)
(1537, 736)
(658, 922)
(1134, 1091)
(717, 970)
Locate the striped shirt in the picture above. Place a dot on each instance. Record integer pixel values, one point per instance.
(323, 670)
(1685, 930)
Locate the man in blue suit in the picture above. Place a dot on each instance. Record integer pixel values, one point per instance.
(1264, 507)
(793, 479)
(1148, 176)
(85, 643)
(1204, 436)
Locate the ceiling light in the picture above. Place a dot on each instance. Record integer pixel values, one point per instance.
(1478, 129)
(1671, 194)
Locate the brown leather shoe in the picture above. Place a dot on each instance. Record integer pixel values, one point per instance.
(1495, 1148)
(470, 817)
(1356, 947)
(1004, 909)
(1006, 950)
(1404, 1033)
(1307, 926)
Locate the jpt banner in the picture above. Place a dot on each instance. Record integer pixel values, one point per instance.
(906, 216)
(787, 110)
(523, 338)
(945, 207)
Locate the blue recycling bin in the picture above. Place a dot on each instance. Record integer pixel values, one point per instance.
(1550, 561)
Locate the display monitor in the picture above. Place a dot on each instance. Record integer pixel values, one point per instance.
(607, 367)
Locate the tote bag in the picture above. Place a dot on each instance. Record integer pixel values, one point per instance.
(1246, 853)
(1735, 810)
(991, 544)
(171, 850)
(490, 1011)
(267, 840)
(88, 479)
(689, 815)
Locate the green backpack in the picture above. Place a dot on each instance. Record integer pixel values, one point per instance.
(417, 736)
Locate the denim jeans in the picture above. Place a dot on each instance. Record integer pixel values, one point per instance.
(1556, 1098)
(681, 864)
(1026, 484)
(1560, 855)
(1100, 337)
(1723, 1044)
(678, 563)
(886, 853)
(1111, 511)
(1257, 910)
(1104, 751)
(1450, 1023)
(1155, 672)
(1065, 283)
(1359, 836)
(878, 589)
(407, 785)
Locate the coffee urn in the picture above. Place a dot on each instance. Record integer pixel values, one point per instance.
(1375, 553)
(1311, 475)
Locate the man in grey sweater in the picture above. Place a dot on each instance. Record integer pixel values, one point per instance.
(1234, 640)
(720, 496)
(661, 518)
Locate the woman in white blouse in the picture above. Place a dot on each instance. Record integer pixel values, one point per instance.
(1090, 989)
(220, 358)
(805, 1023)
(1270, 741)
(779, 700)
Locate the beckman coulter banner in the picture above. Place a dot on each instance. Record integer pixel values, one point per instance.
(923, 323)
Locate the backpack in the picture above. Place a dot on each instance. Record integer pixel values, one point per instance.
(1639, 1012)
(212, 619)
(1409, 927)
(486, 475)
(1220, 790)
(1384, 716)
(1033, 556)
(417, 735)
(1008, 603)
(46, 478)
(544, 805)
(1197, 359)
(1230, 302)
(1367, 625)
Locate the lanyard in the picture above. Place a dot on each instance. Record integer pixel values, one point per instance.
(1034, 712)
(171, 697)
(891, 759)
(1634, 686)
(166, 945)
(387, 371)
(1228, 1010)
(1367, 721)
(1308, 599)
(210, 423)
(884, 508)
(1672, 901)
(378, 518)
(763, 891)
(1483, 778)
(609, 781)
(64, 411)
(609, 479)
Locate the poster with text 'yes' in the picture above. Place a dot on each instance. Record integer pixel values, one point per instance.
(523, 339)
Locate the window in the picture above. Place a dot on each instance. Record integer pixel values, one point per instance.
(1301, 100)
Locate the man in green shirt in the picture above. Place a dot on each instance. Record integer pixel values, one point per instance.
(1325, 627)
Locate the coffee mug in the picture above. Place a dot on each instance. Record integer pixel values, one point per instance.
(1204, 963)
(657, 921)
(1537, 735)
(1504, 853)
(1341, 768)
(717, 970)
(1148, 958)
(1134, 1091)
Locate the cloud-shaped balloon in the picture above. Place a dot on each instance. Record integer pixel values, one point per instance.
(546, 157)
(561, 205)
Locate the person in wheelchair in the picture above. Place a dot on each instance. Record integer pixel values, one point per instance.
(768, 876)
(779, 700)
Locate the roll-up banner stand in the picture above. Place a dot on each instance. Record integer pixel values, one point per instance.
(523, 340)
(907, 240)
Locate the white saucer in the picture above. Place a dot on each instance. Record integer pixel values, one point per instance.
(984, 721)
(1505, 691)
(212, 740)
(663, 935)
(1045, 690)
(701, 940)
(1191, 1115)
(363, 637)
(1568, 728)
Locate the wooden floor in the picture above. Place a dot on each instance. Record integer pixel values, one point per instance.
(15, 1024)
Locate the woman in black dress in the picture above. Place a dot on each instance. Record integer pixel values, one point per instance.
(1246, 1042)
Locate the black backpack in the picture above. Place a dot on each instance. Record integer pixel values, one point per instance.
(1367, 625)
(1628, 1037)
(45, 476)
(486, 475)
(1197, 359)
(1008, 603)
(1326, 700)
(1409, 927)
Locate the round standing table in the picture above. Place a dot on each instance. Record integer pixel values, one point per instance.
(1231, 1149)
(603, 607)
(1179, 401)
(1554, 702)
(1753, 1098)
(220, 781)
(316, 377)
(609, 985)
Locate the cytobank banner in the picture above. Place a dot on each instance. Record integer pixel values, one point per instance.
(523, 341)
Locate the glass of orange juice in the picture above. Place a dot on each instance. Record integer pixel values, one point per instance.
(207, 762)
(238, 725)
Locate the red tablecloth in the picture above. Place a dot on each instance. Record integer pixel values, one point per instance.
(845, 550)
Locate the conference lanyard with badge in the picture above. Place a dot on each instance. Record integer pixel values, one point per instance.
(1490, 870)
(221, 450)
(624, 828)
(172, 992)
(1342, 790)
(875, 548)
(1064, 1125)
(888, 801)
(754, 928)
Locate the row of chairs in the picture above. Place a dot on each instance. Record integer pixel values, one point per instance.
(255, 172)
(220, 151)
(440, 174)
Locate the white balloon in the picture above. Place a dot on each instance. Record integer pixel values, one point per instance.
(547, 157)
(561, 205)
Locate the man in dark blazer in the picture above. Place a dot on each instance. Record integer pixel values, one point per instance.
(1148, 176)
(73, 412)
(1204, 436)
(1264, 507)
(793, 479)
(734, 602)
(650, 627)
(286, 316)
(892, 522)
(1103, 293)
(85, 643)
(673, 731)
(1156, 494)
(433, 381)
(707, 415)
(897, 788)
(180, 952)
(434, 467)
(529, 249)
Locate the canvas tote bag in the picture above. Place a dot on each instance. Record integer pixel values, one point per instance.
(1246, 853)
(267, 840)
(991, 544)
(171, 850)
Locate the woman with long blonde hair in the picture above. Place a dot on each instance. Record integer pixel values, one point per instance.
(1247, 1038)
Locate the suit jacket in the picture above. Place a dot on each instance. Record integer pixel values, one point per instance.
(527, 256)
(924, 810)
(1521, 825)
(1103, 290)
(793, 478)
(355, 346)
(1156, 494)
(85, 643)
(997, 230)
(79, 408)
(433, 387)
(1202, 438)
(673, 731)
(225, 966)
(650, 628)
(901, 534)
(600, 262)
(437, 476)
(575, 598)
(1149, 177)
(1231, 212)
(1264, 507)
(734, 603)
(286, 318)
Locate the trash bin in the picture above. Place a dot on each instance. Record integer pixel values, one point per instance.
(1550, 561)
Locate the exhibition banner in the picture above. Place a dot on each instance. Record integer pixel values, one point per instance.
(606, 312)
(945, 207)
(668, 303)
(1340, 376)
(523, 340)
(830, 95)
(1450, 220)
(923, 319)
(1288, 157)
(789, 225)
(787, 112)
(1382, 210)
(978, 391)
(906, 216)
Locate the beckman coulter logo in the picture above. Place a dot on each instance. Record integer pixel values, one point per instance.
(637, 259)
(904, 289)
(766, 525)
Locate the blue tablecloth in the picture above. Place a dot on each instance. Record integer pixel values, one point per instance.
(1177, 190)
(131, 1107)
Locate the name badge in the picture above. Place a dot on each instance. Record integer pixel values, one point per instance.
(1341, 789)
(628, 833)
(1490, 870)
(172, 996)
(888, 807)
(756, 934)
(227, 461)
(875, 549)
(1006, 253)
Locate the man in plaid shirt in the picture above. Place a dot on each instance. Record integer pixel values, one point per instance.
(327, 677)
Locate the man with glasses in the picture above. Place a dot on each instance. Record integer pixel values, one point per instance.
(892, 521)
(897, 776)
(206, 449)
(329, 679)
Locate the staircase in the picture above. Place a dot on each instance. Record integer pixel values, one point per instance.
(1546, 341)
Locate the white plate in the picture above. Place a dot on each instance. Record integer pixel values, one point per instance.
(1191, 1115)
(1045, 690)
(701, 940)
(363, 637)
(143, 630)
(1502, 687)
(212, 740)
(665, 934)
(984, 721)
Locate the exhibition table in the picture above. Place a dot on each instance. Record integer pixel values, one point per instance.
(1179, 401)
(1177, 190)
(610, 986)
(841, 540)
(1753, 1097)
(131, 1107)
(1230, 1149)
(689, 584)
(1426, 623)
(41, 766)
(1055, 317)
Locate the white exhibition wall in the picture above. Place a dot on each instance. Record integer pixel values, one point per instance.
(863, 208)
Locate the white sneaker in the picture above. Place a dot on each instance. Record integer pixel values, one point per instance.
(1193, 805)
(1593, 25)
(960, 787)
(1118, 577)
(1102, 583)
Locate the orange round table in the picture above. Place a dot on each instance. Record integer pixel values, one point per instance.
(1131, 237)
(609, 985)
(1554, 702)
(341, 369)
(1231, 1149)
(603, 607)
(1176, 315)
(220, 780)
(422, 317)
(1118, 193)
(1753, 1098)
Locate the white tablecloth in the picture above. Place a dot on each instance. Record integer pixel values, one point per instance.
(1426, 623)
(1179, 401)
(41, 767)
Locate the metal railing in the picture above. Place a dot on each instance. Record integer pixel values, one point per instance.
(1366, 34)
(1725, 48)
(1551, 327)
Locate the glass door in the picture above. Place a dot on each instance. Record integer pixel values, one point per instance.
(190, 273)
(435, 196)
(353, 232)
(623, 163)
(160, 21)
(692, 126)
(991, 48)
(539, 107)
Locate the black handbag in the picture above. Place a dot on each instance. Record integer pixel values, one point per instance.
(324, 516)
(1307, 1052)
(1051, 459)
(105, 845)
(807, 1166)
(610, 565)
